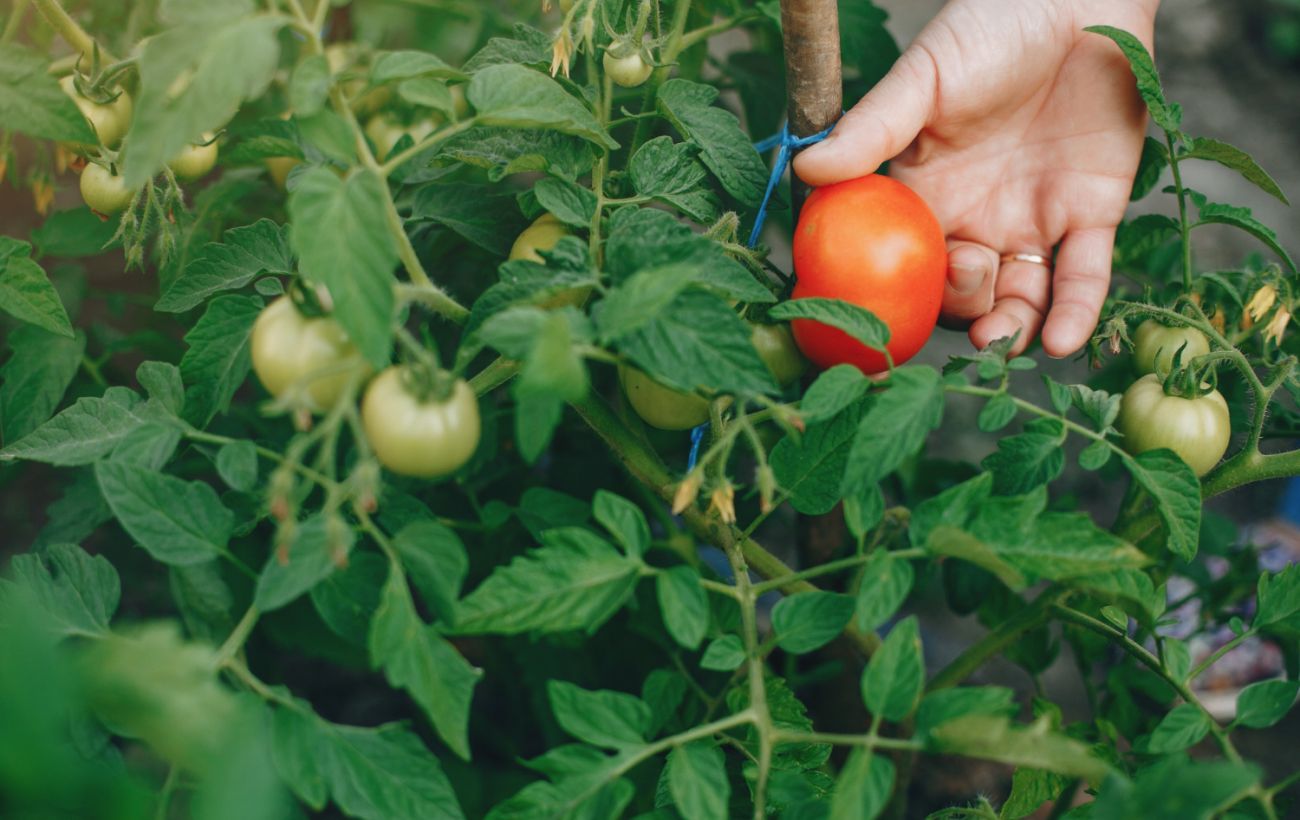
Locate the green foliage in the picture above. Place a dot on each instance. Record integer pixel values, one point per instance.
(551, 631)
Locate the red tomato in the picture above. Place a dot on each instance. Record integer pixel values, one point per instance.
(873, 242)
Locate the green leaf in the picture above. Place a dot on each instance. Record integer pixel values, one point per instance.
(241, 256)
(1139, 237)
(35, 377)
(895, 676)
(699, 341)
(342, 239)
(346, 599)
(882, 588)
(150, 446)
(895, 427)
(26, 293)
(1030, 789)
(1263, 704)
(1242, 219)
(78, 593)
(416, 658)
(567, 201)
(435, 558)
(1037, 746)
(683, 604)
(997, 413)
(724, 147)
(1168, 117)
(384, 773)
(835, 389)
(1230, 156)
(1184, 726)
(310, 85)
(1155, 159)
(506, 151)
(314, 554)
(516, 97)
(528, 46)
(177, 522)
(1095, 455)
(1028, 460)
(574, 581)
(192, 80)
(218, 357)
(392, 66)
(611, 720)
(1177, 495)
(940, 706)
(32, 103)
(73, 233)
(479, 213)
(810, 620)
(810, 467)
(163, 383)
(862, 790)
(83, 433)
(574, 798)
(237, 465)
(1278, 597)
(723, 654)
(856, 321)
(624, 520)
(662, 166)
(1175, 788)
(697, 781)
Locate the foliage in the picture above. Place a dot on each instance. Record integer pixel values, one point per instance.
(574, 623)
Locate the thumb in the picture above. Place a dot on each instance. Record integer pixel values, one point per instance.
(879, 127)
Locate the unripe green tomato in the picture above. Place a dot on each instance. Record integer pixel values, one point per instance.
(1155, 346)
(110, 121)
(1197, 429)
(660, 406)
(195, 161)
(629, 72)
(422, 439)
(565, 5)
(776, 347)
(459, 103)
(104, 191)
(310, 352)
(542, 235)
(279, 168)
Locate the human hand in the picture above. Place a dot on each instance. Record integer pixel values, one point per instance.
(1021, 131)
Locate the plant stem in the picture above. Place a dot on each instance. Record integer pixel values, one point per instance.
(1204, 665)
(1183, 225)
(699, 35)
(494, 375)
(70, 30)
(869, 740)
(238, 636)
(757, 685)
(826, 569)
(681, 12)
(1010, 631)
(15, 20)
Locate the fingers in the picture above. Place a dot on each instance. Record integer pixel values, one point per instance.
(1022, 294)
(972, 274)
(879, 127)
(1082, 280)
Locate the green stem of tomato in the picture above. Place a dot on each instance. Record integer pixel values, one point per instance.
(644, 127)
(1184, 225)
(70, 30)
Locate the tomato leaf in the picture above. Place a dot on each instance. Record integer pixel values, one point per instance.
(1263, 704)
(32, 103)
(347, 598)
(856, 321)
(416, 658)
(177, 522)
(724, 148)
(862, 790)
(517, 97)
(26, 293)
(85, 432)
(35, 377)
(1177, 495)
(218, 358)
(895, 676)
(241, 256)
(342, 239)
(78, 593)
(811, 467)
(894, 427)
(435, 558)
(882, 588)
(569, 202)
(372, 773)
(506, 151)
(308, 560)
(1230, 156)
(1028, 460)
(192, 80)
(1169, 116)
(605, 718)
(697, 781)
(996, 738)
(1184, 726)
(940, 706)
(810, 620)
(723, 654)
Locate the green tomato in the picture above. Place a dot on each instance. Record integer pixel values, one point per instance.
(660, 406)
(279, 168)
(776, 347)
(542, 235)
(629, 72)
(422, 439)
(1155, 346)
(110, 120)
(1198, 429)
(384, 132)
(195, 161)
(314, 354)
(105, 192)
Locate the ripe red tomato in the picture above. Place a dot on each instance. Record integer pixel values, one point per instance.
(873, 242)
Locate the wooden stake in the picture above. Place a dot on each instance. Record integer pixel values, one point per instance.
(813, 85)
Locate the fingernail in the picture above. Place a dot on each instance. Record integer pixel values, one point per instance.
(967, 270)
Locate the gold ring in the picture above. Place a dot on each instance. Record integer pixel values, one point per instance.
(1031, 258)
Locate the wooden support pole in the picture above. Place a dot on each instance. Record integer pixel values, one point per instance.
(813, 84)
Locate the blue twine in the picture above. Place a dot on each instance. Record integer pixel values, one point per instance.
(787, 143)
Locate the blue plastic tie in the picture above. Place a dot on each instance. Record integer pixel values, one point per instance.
(787, 144)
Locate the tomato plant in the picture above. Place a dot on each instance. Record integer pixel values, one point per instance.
(874, 243)
(445, 571)
(426, 436)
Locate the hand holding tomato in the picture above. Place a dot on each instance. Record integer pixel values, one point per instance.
(1022, 131)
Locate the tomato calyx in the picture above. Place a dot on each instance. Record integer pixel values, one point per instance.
(312, 301)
